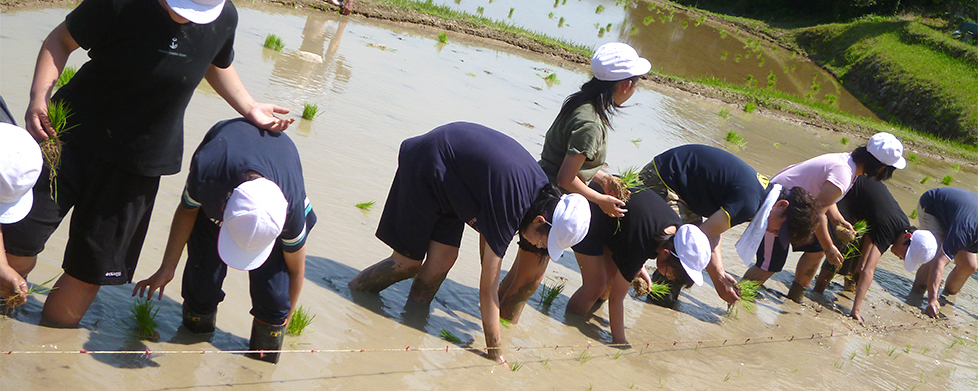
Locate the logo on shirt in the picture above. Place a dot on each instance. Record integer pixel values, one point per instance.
(113, 274)
(172, 46)
(173, 43)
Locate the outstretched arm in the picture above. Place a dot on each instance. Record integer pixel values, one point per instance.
(724, 283)
(180, 228)
(826, 202)
(228, 85)
(489, 301)
(868, 259)
(296, 263)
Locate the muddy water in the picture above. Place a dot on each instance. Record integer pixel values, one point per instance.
(675, 43)
(378, 84)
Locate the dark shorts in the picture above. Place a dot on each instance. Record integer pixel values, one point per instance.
(413, 218)
(203, 277)
(112, 208)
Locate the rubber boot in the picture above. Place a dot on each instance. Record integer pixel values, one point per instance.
(797, 292)
(266, 337)
(198, 323)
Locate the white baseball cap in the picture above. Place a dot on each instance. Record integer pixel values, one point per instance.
(616, 61)
(197, 11)
(253, 220)
(693, 250)
(887, 149)
(572, 218)
(923, 248)
(20, 165)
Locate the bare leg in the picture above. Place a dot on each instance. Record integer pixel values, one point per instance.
(385, 273)
(965, 264)
(440, 259)
(594, 284)
(68, 302)
(22, 265)
(807, 265)
(920, 280)
(823, 280)
(520, 283)
(756, 274)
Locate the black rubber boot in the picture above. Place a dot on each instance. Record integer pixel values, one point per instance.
(266, 337)
(670, 299)
(797, 292)
(198, 323)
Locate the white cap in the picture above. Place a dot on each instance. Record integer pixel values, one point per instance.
(572, 218)
(253, 220)
(20, 165)
(616, 61)
(693, 250)
(197, 11)
(923, 248)
(887, 149)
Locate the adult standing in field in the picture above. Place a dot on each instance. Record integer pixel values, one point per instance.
(701, 181)
(20, 166)
(951, 214)
(828, 177)
(463, 173)
(128, 103)
(870, 200)
(615, 250)
(574, 152)
(260, 228)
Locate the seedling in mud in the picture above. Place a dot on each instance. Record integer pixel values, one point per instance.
(913, 215)
(550, 292)
(300, 320)
(448, 336)
(636, 141)
(735, 138)
(585, 357)
(912, 158)
(925, 179)
(480, 10)
(443, 38)
(143, 312)
(273, 42)
(58, 114)
(309, 111)
(634, 30)
(65, 77)
(955, 167)
(505, 323)
(724, 113)
(551, 16)
(511, 12)
(617, 355)
(749, 107)
(890, 351)
(42, 288)
(947, 180)
(599, 10)
(516, 366)
(844, 140)
(551, 79)
(869, 349)
(365, 206)
(560, 23)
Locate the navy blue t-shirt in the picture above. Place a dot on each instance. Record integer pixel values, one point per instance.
(631, 239)
(870, 200)
(484, 177)
(709, 179)
(221, 163)
(957, 212)
(130, 97)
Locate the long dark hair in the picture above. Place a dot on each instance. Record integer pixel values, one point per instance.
(544, 205)
(872, 166)
(599, 94)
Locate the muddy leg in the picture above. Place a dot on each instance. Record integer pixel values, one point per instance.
(920, 280)
(757, 274)
(440, 259)
(594, 283)
(520, 283)
(385, 273)
(965, 264)
(823, 281)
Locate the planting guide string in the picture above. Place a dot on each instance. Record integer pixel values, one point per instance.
(678, 344)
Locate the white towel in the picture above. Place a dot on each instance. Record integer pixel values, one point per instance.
(754, 234)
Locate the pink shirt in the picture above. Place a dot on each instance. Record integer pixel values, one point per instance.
(836, 168)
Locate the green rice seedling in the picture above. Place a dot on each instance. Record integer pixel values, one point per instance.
(724, 113)
(273, 42)
(726, 378)
(448, 336)
(608, 27)
(505, 323)
(830, 99)
(551, 79)
(365, 206)
(648, 20)
(560, 23)
(143, 313)
(550, 292)
(723, 33)
(852, 355)
(658, 290)
(636, 141)
(481, 9)
(947, 180)
(912, 158)
(925, 179)
(634, 30)
(551, 16)
(844, 140)
(442, 37)
(749, 107)
(913, 215)
(601, 32)
(748, 297)
(907, 349)
(630, 177)
(599, 10)
(853, 247)
(585, 357)
(617, 355)
(869, 349)
(42, 288)
(300, 319)
(777, 145)
(735, 138)
(685, 24)
(309, 111)
(699, 21)
(511, 12)
(750, 80)
(470, 74)
(890, 351)
(516, 366)
(955, 167)
(58, 114)
(772, 79)
(723, 55)
(65, 76)
(816, 85)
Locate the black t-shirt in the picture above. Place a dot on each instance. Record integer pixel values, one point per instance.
(484, 177)
(870, 200)
(957, 212)
(709, 178)
(231, 149)
(129, 99)
(631, 239)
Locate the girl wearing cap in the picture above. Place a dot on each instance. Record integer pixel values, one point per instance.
(467, 174)
(574, 153)
(615, 250)
(828, 177)
(146, 59)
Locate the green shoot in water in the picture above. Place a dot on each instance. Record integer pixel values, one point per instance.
(511, 12)
(748, 297)
(636, 141)
(658, 290)
(65, 76)
(925, 179)
(955, 167)
(584, 357)
(365, 206)
(599, 10)
(912, 158)
(913, 214)
(273, 42)
(550, 292)
(443, 38)
(506, 323)
(448, 336)
(724, 113)
(551, 79)
(516, 366)
(947, 180)
(309, 111)
(853, 248)
(143, 312)
(300, 319)
(844, 140)
(735, 138)
(750, 107)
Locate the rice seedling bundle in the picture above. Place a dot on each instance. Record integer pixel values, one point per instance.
(448, 336)
(550, 292)
(309, 110)
(628, 178)
(299, 321)
(42, 288)
(58, 113)
(273, 42)
(65, 77)
(748, 296)
(143, 312)
(854, 236)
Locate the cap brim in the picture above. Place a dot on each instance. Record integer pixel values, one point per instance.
(909, 265)
(553, 249)
(696, 276)
(238, 258)
(14, 212)
(901, 164)
(196, 13)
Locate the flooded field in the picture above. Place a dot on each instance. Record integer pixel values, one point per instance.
(376, 84)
